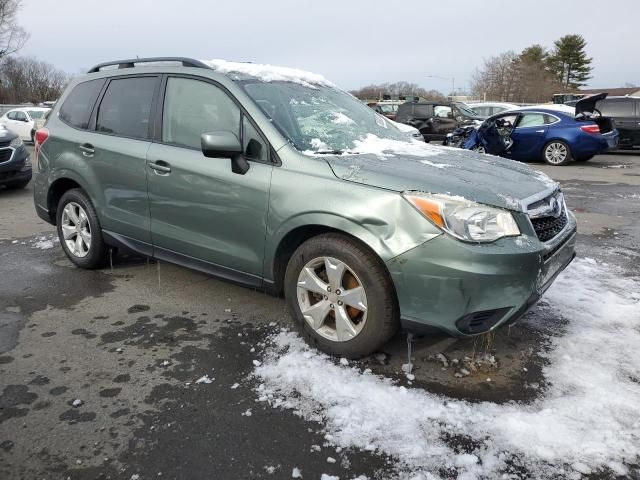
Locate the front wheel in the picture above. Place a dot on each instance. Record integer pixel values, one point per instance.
(341, 296)
(556, 153)
(79, 230)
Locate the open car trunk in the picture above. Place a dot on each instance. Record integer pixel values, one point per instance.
(586, 110)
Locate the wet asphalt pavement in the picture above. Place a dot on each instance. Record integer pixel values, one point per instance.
(98, 369)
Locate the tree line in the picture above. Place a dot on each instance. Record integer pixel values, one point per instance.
(531, 76)
(536, 73)
(24, 79)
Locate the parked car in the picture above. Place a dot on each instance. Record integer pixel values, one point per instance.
(625, 113)
(387, 108)
(24, 121)
(15, 163)
(486, 109)
(412, 132)
(541, 133)
(276, 179)
(436, 119)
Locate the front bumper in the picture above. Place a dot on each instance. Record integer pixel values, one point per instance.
(466, 289)
(13, 169)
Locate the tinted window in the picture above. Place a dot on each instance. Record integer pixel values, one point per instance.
(422, 111)
(21, 116)
(126, 107)
(616, 108)
(252, 144)
(77, 107)
(192, 107)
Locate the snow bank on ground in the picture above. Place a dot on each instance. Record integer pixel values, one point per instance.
(269, 73)
(588, 419)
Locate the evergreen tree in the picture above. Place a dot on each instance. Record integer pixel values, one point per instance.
(569, 62)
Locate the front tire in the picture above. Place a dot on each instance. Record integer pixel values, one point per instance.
(341, 296)
(557, 153)
(79, 230)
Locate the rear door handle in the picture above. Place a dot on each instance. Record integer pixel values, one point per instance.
(87, 149)
(160, 167)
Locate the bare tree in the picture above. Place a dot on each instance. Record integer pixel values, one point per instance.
(396, 89)
(12, 36)
(26, 79)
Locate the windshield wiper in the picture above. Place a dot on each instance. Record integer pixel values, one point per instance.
(329, 152)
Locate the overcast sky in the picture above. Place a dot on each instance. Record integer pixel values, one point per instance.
(351, 42)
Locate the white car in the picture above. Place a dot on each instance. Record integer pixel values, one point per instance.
(24, 121)
(486, 109)
(412, 132)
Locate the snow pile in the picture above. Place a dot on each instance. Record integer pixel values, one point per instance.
(588, 419)
(44, 243)
(269, 73)
(341, 119)
(384, 147)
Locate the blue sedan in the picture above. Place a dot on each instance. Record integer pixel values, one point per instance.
(554, 136)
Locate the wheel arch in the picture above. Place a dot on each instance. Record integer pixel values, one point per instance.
(58, 188)
(295, 237)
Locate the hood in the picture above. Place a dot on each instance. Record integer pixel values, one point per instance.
(587, 104)
(451, 171)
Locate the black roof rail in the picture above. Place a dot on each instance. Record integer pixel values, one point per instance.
(186, 62)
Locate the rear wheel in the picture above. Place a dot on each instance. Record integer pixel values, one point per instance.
(341, 296)
(79, 230)
(556, 153)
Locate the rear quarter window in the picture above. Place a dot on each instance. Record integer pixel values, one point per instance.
(76, 109)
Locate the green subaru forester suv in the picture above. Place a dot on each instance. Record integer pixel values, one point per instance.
(276, 179)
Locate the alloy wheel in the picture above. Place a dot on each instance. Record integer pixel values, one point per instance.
(76, 229)
(332, 299)
(556, 153)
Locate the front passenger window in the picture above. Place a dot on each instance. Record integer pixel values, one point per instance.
(193, 107)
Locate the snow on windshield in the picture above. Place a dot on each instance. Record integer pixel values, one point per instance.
(269, 73)
(588, 419)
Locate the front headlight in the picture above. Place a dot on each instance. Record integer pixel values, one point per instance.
(16, 142)
(465, 220)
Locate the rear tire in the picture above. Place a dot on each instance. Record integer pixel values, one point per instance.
(340, 273)
(556, 153)
(79, 230)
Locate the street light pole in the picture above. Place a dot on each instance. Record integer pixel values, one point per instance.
(453, 82)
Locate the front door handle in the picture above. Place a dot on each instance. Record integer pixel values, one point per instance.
(160, 167)
(87, 149)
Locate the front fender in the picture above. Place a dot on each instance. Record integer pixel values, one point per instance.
(381, 219)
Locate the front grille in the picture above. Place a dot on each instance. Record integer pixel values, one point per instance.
(548, 227)
(5, 154)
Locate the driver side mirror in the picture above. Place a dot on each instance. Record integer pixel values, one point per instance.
(224, 144)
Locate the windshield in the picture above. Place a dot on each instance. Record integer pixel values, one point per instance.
(466, 109)
(319, 119)
(35, 114)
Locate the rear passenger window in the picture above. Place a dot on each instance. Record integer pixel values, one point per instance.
(532, 120)
(616, 108)
(77, 107)
(192, 107)
(125, 109)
